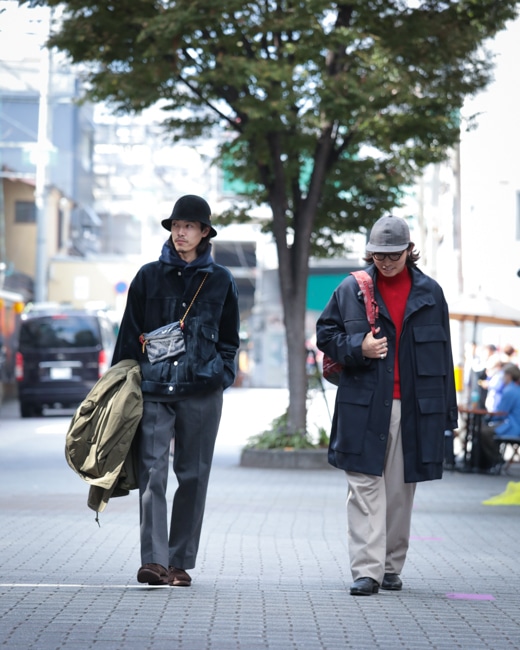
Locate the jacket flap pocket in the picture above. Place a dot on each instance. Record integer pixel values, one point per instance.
(429, 333)
(431, 405)
(209, 333)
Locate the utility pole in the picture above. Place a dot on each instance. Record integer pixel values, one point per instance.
(41, 191)
(3, 251)
(457, 217)
(457, 246)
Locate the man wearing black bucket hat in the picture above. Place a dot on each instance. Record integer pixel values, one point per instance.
(182, 392)
(395, 400)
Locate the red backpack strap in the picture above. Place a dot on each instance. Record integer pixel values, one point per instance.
(366, 284)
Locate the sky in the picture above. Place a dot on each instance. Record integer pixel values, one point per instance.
(22, 30)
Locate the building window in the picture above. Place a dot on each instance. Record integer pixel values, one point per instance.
(25, 212)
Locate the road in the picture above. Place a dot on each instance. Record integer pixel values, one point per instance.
(246, 412)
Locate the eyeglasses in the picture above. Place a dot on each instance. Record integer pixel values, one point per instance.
(380, 257)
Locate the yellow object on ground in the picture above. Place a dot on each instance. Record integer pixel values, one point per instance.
(459, 378)
(509, 497)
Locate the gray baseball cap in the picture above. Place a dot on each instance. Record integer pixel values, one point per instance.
(389, 235)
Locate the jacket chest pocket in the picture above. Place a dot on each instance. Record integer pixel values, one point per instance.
(430, 350)
(207, 342)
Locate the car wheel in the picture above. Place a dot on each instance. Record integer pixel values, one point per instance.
(28, 410)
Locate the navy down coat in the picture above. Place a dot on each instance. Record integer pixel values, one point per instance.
(361, 419)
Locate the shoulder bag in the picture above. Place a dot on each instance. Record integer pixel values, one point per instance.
(168, 341)
(333, 369)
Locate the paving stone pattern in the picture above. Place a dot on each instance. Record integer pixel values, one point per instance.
(272, 571)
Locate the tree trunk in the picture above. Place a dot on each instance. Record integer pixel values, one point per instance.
(294, 317)
(293, 267)
(293, 271)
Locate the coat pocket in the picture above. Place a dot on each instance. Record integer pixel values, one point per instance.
(431, 428)
(353, 411)
(430, 350)
(207, 342)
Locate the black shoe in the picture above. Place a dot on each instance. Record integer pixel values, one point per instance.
(496, 470)
(364, 587)
(392, 582)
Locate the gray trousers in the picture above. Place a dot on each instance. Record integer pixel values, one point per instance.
(193, 424)
(379, 511)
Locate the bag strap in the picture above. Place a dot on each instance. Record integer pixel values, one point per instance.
(366, 284)
(181, 321)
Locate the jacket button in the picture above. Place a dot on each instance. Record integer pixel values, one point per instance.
(382, 436)
(387, 403)
(179, 272)
(170, 388)
(175, 363)
(184, 304)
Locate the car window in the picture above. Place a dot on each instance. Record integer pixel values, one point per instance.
(60, 331)
(107, 332)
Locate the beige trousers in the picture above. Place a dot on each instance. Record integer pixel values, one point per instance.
(379, 512)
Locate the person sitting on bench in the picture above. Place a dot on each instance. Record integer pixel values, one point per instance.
(503, 426)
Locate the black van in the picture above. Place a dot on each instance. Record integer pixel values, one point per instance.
(61, 354)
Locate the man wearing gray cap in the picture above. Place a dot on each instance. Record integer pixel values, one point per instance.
(185, 366)
(396, 398)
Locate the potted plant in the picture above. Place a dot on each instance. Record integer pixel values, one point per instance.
(278, 448)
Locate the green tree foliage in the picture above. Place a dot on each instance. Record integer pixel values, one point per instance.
(327, 109)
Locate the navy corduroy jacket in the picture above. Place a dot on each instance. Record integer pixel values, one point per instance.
(160, 294)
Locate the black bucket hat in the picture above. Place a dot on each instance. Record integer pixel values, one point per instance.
(190, 208)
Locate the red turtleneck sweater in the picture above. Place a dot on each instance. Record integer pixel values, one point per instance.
(395, 292)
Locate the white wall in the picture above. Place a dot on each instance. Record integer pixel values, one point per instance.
(491, 179)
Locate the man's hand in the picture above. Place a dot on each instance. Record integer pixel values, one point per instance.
(374, 348)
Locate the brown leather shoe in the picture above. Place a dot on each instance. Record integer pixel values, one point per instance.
(178, 577)
(153, 574)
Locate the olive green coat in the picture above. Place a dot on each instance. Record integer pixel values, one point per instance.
(99, 440)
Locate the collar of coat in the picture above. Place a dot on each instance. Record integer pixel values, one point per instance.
(170, 256)
(420, 294)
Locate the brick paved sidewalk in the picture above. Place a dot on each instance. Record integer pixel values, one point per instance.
(272, 570)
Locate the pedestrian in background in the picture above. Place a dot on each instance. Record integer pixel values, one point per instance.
(506, 425)
(494, 381)
(395, 399)
(182, 394)
(511, 354)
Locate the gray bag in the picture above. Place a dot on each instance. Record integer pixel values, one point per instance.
(164, 343)
(168, 341)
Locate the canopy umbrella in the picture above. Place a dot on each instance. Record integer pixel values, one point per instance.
(483, 309)
(479, 309)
